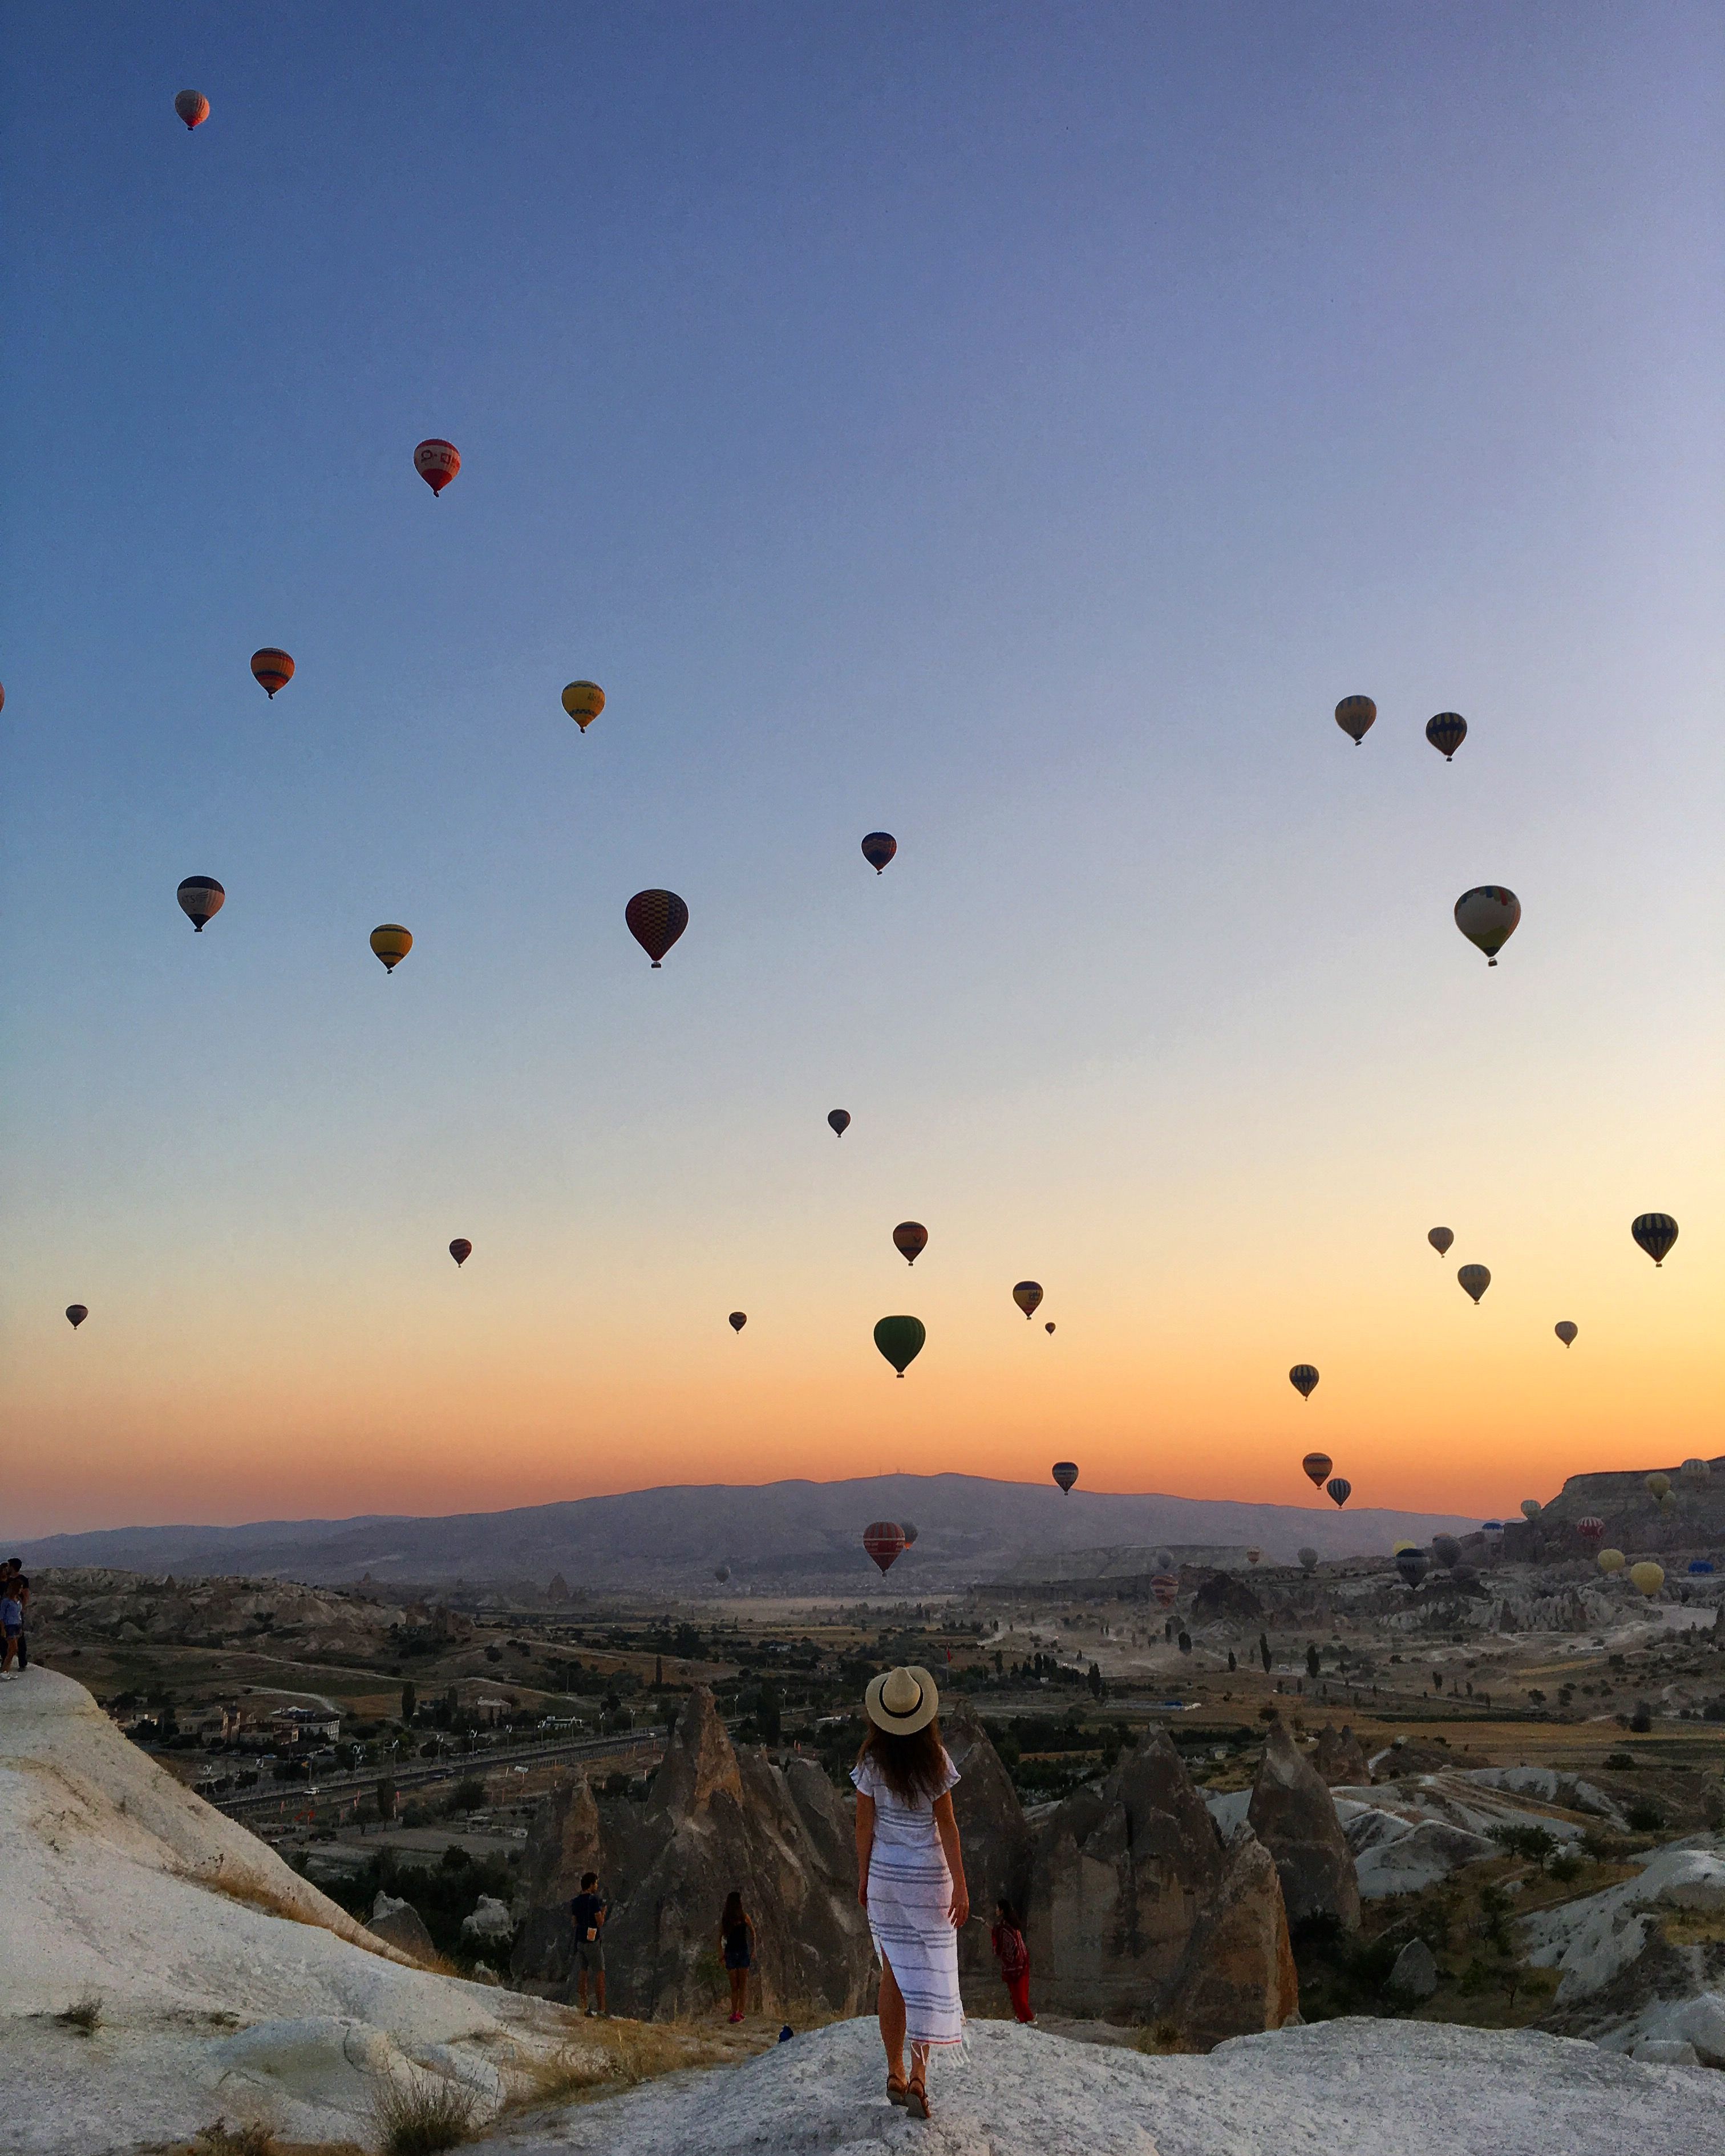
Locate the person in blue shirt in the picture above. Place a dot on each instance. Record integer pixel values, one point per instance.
(588, 1912)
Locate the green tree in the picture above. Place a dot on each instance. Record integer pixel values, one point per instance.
(386, 1797)
(1097, 1688)
(409, 1702)
(1264, 1651)
(769, 1717)
(1312, 1664)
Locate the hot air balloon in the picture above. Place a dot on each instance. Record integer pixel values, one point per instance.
(1065, 1473)
(884, 1541)
(1446, 1552)
(1166, 1589)
(1302, 1378)
(192, 107)
(1253, 1556)
(899, 1340)
(910, 1239)
(737, 1320)
(583, 700)
(1162, 1560)
(1657, 1486)
(3, 695)
(1340, 1491)
(1487, 916)
(460, 1250)
(272, 669)
(839, 1118)
(202, 898)
(1656, 1233)
(1440, 1239)
(1476, 1280)
(1700, 1568)
(75, 1315)
(1027, 1295)
(1695, 1471)
(908, 1532)
(1446, 732)
(1308, 1559)
(1647, 1577)
(1565, 1331)
(1354, 716)
(1668, 1504)
(392, 943)
(1530, 1509)
(1049, 1328)
(878, 849)
(1592, 1529)
(721, 1573)
(655, 919)
(1316, 1465)
(1610, 1560)
(1413, 1565)
(437, 463)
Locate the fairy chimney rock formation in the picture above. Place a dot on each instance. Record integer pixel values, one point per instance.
(1293, 1815)
(716, 1821)
(1340, 1758)
(1139, 1914)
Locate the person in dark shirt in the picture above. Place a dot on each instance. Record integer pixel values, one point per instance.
(736, 1950)
(588, 1912)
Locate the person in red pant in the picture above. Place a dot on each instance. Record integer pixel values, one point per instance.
(1014, 1958)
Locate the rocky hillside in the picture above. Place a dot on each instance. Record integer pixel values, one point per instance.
(90, 1602)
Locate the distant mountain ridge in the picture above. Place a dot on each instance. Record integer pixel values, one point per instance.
(797, 1536)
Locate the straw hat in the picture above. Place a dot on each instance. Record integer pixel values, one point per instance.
(902, 1701)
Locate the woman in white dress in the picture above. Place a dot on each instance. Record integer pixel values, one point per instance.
(910, 1875)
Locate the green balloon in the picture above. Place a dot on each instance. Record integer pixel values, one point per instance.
(899, 1340)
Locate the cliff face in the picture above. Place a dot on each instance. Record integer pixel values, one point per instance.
(1634, 1520)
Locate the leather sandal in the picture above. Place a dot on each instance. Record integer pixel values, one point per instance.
(894, 2090)
(916, 2097)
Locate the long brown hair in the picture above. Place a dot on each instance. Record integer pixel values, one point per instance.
(735, 1916)
(913, 1767)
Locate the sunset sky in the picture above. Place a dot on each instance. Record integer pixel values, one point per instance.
(1011, 427)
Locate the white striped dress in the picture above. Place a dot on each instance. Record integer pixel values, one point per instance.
(909, 1906)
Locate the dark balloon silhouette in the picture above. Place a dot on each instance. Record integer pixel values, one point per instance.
(460, 1250)
(1340, 1489)
(1303, 1378)
(739, 1319)
(202, 898)
(656, 919)
(1354, 716)
(1316, 1465)
(75, 1315)
(884, 1541)
(272, 669)
(1446, 732)
(1065, 1473)
(879, 848)
(390, 944)
(1656, 1233)
(910, 1239)
(1027, 1295)
(839, 1118)
(899, 1340)
(908, 1532)
(1049, 1328)
(192, 107)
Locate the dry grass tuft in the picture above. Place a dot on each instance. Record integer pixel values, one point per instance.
(613, 2055)
(423, 2118)
(222, 2139)
(83, 2014)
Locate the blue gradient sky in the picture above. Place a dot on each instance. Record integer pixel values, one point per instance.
(1014, 427)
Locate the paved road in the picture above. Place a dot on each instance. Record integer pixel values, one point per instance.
(415, 1774)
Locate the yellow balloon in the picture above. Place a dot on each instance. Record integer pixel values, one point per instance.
(1649, 1577)
(391, 942)
(1657, 1484)
(583, 700)
(1611, 1560)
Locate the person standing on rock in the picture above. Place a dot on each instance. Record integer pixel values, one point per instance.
(736, 1950)
(588, 1912)
(1013, 1956)
(910, 1875)
(12, 1626)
